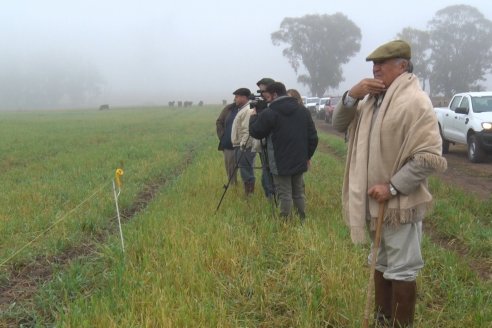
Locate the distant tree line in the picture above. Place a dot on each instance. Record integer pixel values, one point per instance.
(47, 83)
(454, 54)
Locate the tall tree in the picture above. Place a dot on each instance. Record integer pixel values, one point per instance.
(461, 42)
(321, 43)
(420, 43)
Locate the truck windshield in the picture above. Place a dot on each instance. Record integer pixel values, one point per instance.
(482, 104)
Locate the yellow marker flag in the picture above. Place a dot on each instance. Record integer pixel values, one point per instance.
(117, 177)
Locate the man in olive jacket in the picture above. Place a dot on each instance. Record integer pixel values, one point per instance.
(224, 130)
(291, 142)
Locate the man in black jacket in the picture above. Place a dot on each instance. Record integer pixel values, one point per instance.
(266, 178)
(291, 142)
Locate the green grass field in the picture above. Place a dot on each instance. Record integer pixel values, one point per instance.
(185, 265)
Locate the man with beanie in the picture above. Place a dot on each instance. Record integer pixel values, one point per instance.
(266, 176)
(291, 142)
(393, 146)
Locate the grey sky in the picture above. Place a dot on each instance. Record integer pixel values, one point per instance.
(150, 51)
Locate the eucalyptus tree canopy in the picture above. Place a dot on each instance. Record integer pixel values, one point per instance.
(461, 43)
(420, 44)
(321, 44)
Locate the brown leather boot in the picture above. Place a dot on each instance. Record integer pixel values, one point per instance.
(246, 188)
(251, 187)
(403, 303)
(382, 299)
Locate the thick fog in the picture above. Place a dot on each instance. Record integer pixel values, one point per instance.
(149, 52)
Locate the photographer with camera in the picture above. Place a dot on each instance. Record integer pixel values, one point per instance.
(291, 142)
(241, 141)
(259, 104)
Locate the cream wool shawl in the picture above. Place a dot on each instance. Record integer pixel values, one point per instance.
(405, 128)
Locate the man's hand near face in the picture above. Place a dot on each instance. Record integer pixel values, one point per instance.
(365, 87)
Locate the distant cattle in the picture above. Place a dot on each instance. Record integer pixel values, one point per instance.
(186, 103)
(200, 103)
(103, 107)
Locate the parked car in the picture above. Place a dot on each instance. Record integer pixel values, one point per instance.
(330, 107)
(312, 104)
(467, 120)
(320, 109)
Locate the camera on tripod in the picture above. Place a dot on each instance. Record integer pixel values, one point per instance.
(257, 102)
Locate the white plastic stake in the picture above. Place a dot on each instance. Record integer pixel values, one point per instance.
(116, 194)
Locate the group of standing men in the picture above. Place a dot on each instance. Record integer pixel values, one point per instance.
(281, 131)
(393, 146)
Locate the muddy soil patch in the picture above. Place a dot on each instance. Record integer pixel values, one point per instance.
(471, 177)
(461, 173)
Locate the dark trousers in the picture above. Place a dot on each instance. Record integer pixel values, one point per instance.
(246, 160)
(290, 190)
(266, 177)
(230, 165)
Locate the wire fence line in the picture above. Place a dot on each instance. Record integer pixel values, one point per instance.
(62, 218)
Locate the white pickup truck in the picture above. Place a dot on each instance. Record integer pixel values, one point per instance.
(468, 120)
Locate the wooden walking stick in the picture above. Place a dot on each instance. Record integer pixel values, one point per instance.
(375, 247)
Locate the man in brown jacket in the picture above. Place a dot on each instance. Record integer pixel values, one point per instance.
(224, 130)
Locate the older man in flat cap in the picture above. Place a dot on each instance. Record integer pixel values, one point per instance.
(393, 146)
(245, 146)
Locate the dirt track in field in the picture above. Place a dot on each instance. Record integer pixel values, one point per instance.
(471, 177)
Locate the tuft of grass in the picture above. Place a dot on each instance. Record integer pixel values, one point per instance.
(462, 218)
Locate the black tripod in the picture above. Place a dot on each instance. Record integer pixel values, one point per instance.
(266, 164)
(263, 165)
(230, 179)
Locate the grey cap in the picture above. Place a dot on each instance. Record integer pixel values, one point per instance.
(392, 49)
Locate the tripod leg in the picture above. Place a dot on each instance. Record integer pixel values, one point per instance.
(265, 174)
(270, 177)
(226, 187)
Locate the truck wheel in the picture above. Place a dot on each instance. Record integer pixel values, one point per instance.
(475, 153)
(445, 143)
(445, 146)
